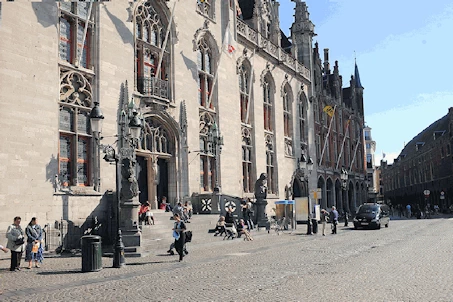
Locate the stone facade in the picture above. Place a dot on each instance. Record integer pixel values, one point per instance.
(63, 57)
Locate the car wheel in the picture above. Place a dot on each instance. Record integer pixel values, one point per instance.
(355, 227)
(379, 226)
(387, 225)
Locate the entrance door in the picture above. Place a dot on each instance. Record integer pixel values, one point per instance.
(162, 186)
(142, 178)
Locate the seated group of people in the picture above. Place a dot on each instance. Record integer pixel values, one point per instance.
(227, 226)
(184, 211)
(145, 214)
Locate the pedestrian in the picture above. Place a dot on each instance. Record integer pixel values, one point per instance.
(408, 211)
(179, 235)
(33, 249)
(324, 218)
(242, 230)
(334, 219)
(244, 209)
(15, 244)
(250, 214)
(220, 226)
(168, 207)
(346, 218)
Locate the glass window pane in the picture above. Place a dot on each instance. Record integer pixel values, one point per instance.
(83, 122)
(82, 9)
(66, 119)
(66, 6)
(65, 40)
(82, 173)
(82, 148)
(65, 147)
(65, 172)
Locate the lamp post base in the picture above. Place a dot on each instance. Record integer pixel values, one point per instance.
(309, 228)
(118, 256)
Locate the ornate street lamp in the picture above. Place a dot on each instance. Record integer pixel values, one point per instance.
(130, 129)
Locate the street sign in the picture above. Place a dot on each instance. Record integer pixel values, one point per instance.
(426, 192)
(442, 195)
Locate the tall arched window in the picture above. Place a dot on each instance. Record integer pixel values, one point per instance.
(269, 136)
(150, 32)
(205, 74)
(245, 91)
(287, 120)
(302, 117)
(267, 105)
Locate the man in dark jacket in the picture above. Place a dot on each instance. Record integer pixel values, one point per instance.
(334, 219)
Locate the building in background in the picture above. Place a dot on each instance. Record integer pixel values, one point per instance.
(423, 172)
(372, 176)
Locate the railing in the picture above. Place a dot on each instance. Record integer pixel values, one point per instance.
(153, 87)
(271, 49)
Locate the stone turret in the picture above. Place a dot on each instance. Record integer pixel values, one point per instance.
(302, 32)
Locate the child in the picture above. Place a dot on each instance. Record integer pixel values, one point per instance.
(220, 226)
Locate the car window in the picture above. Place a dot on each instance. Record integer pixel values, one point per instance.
(368, 209)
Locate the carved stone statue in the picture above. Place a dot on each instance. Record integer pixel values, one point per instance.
(129, 185)
(261, 187)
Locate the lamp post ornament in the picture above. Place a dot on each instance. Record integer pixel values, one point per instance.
(126, 181)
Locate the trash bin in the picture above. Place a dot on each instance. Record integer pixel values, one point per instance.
(91, 253)
(314, 223)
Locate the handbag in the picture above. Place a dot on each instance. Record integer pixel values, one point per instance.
(35, 248)
(19, 241)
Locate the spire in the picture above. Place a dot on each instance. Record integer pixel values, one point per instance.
(357, 77)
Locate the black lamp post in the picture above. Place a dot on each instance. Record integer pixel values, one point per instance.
(307, 166)
(129, 122)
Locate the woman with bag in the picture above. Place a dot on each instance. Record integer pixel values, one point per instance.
(33, 250)
(16, 240)
(179, 235)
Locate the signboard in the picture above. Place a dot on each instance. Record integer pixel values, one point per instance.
(301, 208)
(317, 213)
(316, 194)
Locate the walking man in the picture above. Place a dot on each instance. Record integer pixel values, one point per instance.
(334, 219)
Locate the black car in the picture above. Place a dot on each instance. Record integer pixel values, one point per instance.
(372, 216)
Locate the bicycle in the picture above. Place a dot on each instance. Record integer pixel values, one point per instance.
(278, 225)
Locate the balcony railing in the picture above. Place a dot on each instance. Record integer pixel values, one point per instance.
(153, 87)
(271, 49)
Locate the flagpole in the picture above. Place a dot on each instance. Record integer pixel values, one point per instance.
(342, 145)
(159, 65)
(353, 158)
(327, 136)
(250, 88)
(85, 29)
(218, 65)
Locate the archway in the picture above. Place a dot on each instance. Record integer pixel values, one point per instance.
(338, 197)
(330, 193)
(351, 197)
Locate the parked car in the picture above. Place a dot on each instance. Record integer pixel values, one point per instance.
(372, 215)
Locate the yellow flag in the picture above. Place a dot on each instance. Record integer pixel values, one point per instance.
(329, 110)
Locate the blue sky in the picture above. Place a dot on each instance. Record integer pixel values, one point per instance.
(403, 50)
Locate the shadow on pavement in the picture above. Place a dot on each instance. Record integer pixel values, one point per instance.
(60, 272)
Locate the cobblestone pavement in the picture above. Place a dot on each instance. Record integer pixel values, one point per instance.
(409, 261)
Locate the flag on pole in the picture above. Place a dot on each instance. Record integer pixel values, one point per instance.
(329, 110)
(229, 42)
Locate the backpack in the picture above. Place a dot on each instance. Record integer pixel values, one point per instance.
(188, 236)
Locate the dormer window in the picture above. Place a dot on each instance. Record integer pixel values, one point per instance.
(438, 134)
(419, 145)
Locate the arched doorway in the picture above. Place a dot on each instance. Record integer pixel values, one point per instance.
(351, 197)
(339, 197)
(156, 160)
(330, 193)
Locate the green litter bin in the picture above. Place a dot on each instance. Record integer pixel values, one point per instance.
(91, 253)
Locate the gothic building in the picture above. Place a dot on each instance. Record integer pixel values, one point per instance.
(222, 93)
(423, 166)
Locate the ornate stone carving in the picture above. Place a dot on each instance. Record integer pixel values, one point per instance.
(75, 88)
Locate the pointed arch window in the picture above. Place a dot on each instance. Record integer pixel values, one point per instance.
(74, 129)
(244, 90)
(268, 105)
(207, 156)
(150, 30)
(205, 74)
(271, 165)
(302, 117)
